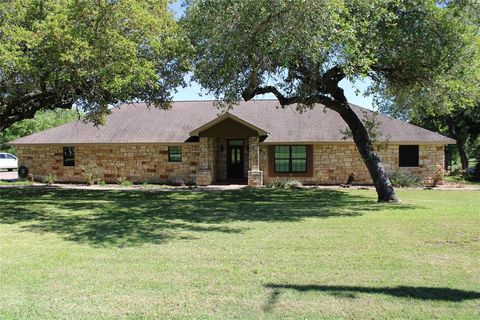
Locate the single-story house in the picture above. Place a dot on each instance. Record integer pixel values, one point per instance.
(254, 142)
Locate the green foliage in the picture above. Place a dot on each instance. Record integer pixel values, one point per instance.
(449, 101)
(94, 54)
(49, 179)
(291, 45)
(124, 182)
(92, 174)
(43, 120)
(15, 183)
(405, 179)
(300, 51)
(284, 183)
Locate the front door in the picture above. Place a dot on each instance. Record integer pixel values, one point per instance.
(235, 163)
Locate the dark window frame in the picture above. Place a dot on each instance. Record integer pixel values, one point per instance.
(172, 152)
(69, 160)
(408, 156)
(290, 158)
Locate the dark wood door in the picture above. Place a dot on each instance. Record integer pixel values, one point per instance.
(235, 163)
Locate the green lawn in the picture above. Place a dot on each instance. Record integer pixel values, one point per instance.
(80, 254)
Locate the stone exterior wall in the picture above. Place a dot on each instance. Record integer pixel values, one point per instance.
(337, 161)
(201, 163)
(206, 171)
(137, 163)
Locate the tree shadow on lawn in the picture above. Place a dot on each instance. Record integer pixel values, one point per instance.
(126, 218)
(411, 292)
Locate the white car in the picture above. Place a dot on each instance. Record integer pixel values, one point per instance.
(8, 161)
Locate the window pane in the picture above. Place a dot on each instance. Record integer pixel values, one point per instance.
(299, 165)
(69, 156)
(235, 142)
(175, 158)
(282, 165)
(282, 152)
(408, 156)
(175, 154)
(238, 155)
(3, 156)
(299, 152)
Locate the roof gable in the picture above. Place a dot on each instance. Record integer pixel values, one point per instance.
(228, 125)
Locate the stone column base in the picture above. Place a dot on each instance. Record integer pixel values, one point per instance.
(255, 178)
(204, 177)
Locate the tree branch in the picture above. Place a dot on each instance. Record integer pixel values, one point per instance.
(27, 105)
(284, 101)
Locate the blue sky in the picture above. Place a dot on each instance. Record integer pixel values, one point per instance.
(194, 91)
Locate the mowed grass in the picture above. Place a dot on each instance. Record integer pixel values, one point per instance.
(306, 254)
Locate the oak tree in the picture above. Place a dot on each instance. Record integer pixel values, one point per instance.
(299, 51)
(90, 54)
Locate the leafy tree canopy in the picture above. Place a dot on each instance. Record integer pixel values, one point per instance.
(449, 102)
(44, 119)
(300, 51)
(89, 53)
(304, 47)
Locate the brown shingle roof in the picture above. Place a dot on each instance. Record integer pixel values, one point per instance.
(135, 123)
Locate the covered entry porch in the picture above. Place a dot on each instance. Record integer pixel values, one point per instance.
(229, 152)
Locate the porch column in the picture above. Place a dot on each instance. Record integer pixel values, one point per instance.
(255, 175)
(205, 172)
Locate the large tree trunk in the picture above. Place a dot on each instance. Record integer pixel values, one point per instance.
(453, 132)
(384, 188)
(339, 104)
(463, 154)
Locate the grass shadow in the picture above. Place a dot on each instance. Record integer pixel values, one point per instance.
(119, 218)
(409, 292)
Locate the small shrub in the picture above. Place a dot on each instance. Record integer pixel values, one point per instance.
(293, 184)
(405, 179)
(102, 183)
(474, 173)
(437, 175)
(50, 179)
(191, 183)
(91, 174)
(277, 183)
(124, 182)
(284, 183)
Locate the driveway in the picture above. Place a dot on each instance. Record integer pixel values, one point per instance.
(6, 175)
